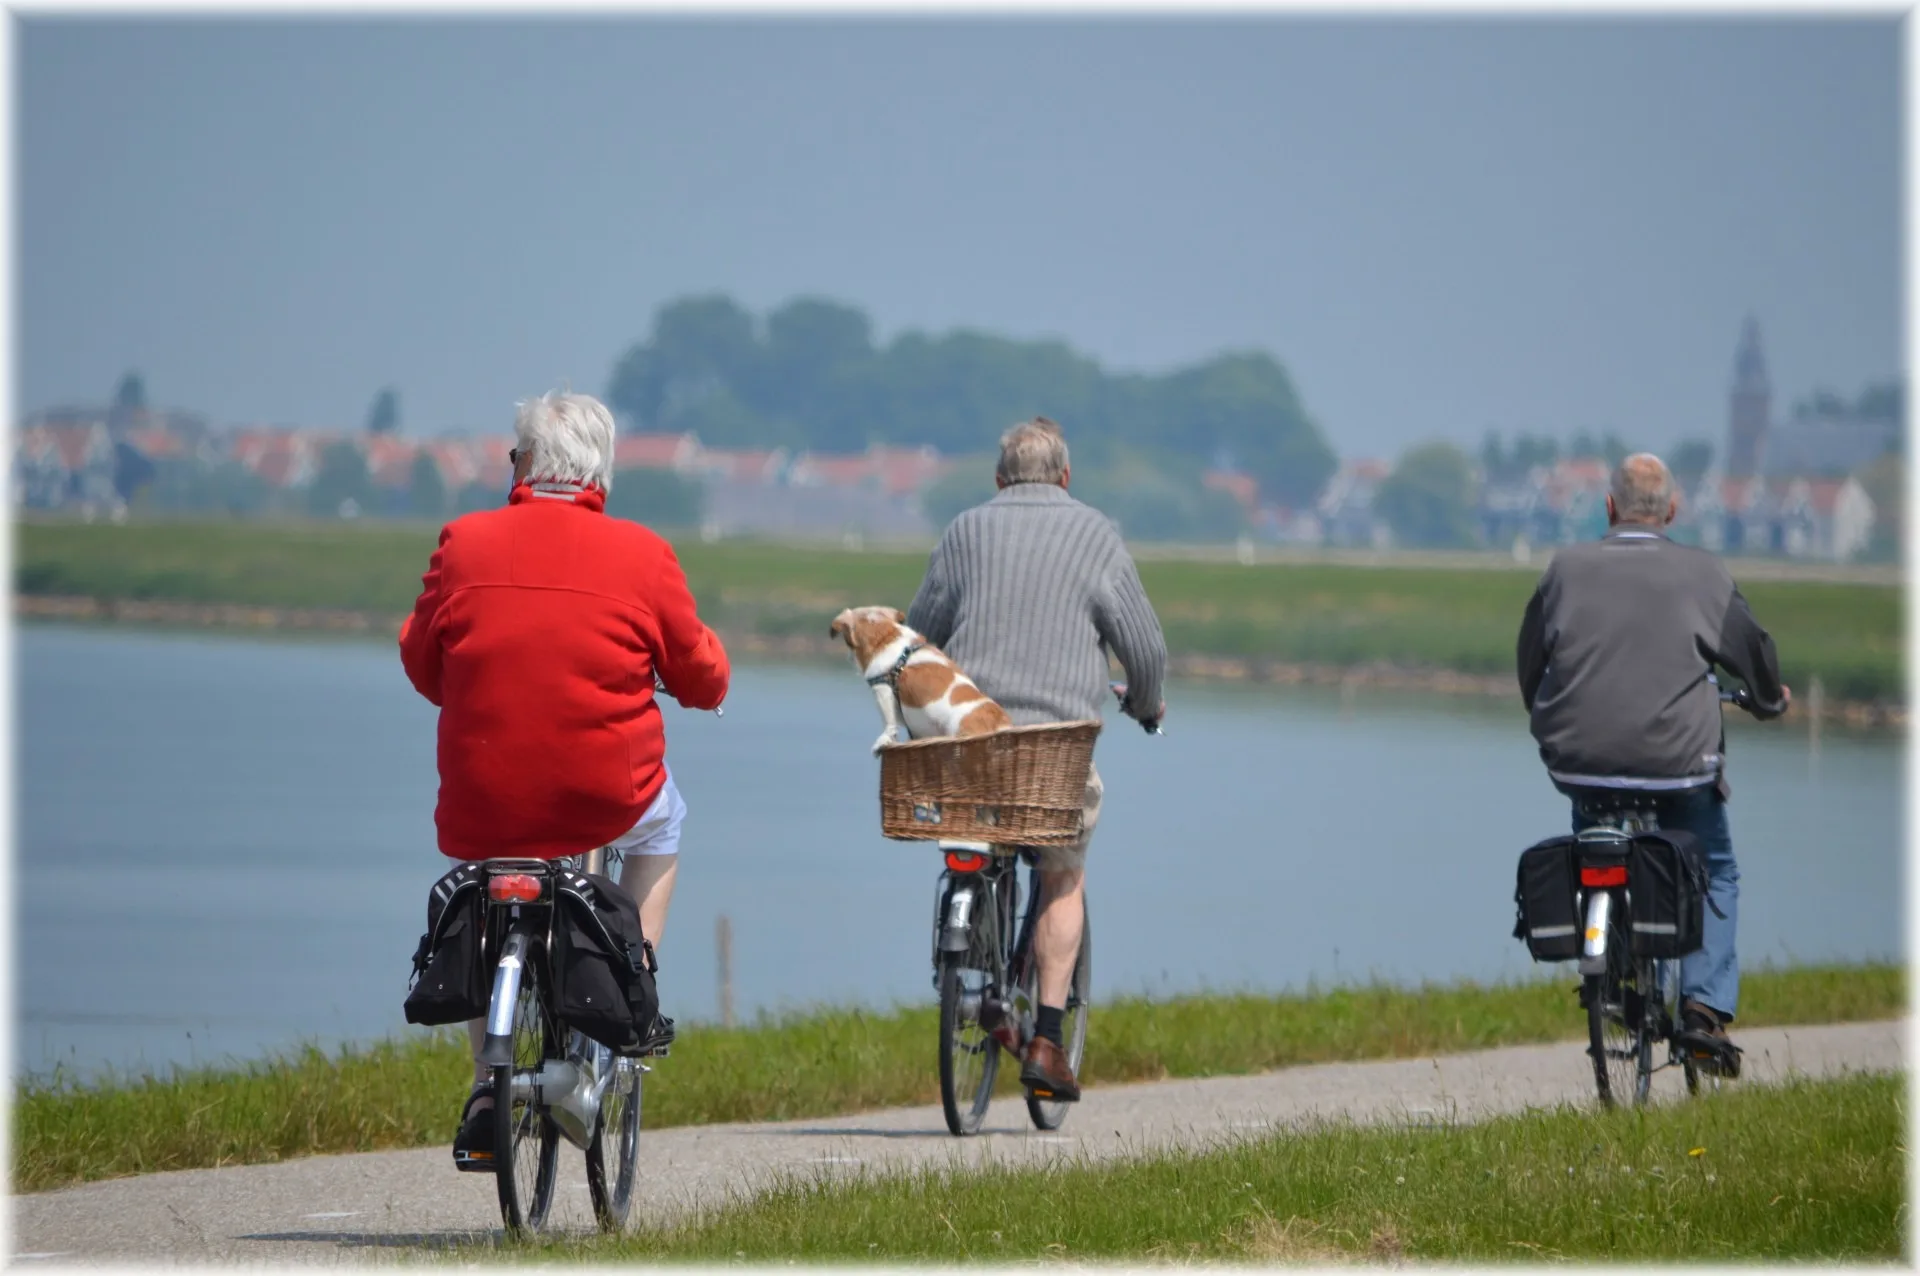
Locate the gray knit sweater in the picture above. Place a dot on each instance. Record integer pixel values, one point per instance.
(1028, 593)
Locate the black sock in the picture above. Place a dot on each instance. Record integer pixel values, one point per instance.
(1048, 1023)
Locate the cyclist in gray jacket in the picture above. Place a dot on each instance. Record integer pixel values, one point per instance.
(1029, 593)
(1615, 657)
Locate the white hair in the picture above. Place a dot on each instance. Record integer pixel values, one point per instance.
(1033, 452)
(1642, 489)
(569, 438)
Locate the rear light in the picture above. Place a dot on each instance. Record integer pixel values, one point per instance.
(1613, 875)
(513, 888)
(966, 861)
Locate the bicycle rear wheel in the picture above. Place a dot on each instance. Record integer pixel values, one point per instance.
(1618, 1005)
(526, 1142)
(969, 1056)
(1048, 1114)
(615, 1147)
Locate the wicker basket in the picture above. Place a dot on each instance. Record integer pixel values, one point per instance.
(1024, 786)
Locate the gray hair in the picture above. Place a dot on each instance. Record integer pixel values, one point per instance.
(1032, 452)
(1642, 489)
(569, 437)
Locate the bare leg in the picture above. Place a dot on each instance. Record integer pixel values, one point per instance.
(649, 879)
(1056, 934)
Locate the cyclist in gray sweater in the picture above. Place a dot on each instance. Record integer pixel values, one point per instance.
(1615, 655)
(1028, 593)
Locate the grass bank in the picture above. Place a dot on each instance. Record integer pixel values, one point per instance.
(1813, 1170)
(1444, 618)
(406, 1093)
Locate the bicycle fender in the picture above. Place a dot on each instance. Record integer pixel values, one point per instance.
(497, 1052)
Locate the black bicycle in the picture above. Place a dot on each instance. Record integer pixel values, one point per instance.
(548, 1082)
(1632, 1003)
(988, 979)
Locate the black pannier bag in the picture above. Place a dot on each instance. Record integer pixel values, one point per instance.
(1548, 913)
(602, 966)
(449, 981)
(1667, 885)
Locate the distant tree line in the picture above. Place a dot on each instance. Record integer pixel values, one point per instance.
(812, 375)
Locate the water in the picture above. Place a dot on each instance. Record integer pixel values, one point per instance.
(225, 846)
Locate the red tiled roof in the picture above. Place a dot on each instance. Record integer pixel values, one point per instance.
(1243, 488)
(654, 451)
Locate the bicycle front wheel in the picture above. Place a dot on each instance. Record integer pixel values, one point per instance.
(1047, 1114)
(526, 1142)
(615, 1147)
(1617, 1010)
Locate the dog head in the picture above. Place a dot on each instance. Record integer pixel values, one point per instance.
(866, 630)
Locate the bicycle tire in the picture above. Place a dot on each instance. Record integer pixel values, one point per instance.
(969, 1055)
(526, 1142)
(615, 1131)
(1618, 1041)
(1049, 1114)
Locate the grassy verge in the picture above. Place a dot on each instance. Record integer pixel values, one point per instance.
(406, 1093)
(1460, 619)
(1813, 1170)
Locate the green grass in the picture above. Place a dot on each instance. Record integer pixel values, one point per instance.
(407, 1093)
(1445, 618)
(1812, 1170)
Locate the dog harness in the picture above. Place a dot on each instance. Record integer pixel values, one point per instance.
(892, 676)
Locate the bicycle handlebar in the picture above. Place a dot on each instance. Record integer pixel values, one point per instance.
(1150, 725)
(660, 688)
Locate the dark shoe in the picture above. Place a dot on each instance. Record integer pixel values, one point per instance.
(473, 1145)
(658, 1038)
(1046, 1073)
(1704, 1036)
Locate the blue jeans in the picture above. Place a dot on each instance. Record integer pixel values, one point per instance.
(1710, 976)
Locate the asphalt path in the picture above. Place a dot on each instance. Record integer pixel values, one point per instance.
(380, 1207)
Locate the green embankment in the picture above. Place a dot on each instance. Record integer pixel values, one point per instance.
(1461, 619)
(407, 1093)
(1807, 1171)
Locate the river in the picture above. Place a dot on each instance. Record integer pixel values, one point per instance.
(224, 845)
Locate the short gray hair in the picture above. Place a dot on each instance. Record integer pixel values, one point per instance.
(1032, 452)
(1642, 489)
(569, 437)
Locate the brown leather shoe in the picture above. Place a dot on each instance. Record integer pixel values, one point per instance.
(1704, 1035)
(1047, 1074)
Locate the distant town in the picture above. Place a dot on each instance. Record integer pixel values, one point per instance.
(1795, 488)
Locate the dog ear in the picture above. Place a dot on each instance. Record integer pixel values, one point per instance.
(837, 629)
(899, 617)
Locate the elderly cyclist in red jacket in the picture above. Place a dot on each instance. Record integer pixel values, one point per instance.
(539, 631)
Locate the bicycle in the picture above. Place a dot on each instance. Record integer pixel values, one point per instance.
(1632, 1003)
(988, 980)
(547, 1082)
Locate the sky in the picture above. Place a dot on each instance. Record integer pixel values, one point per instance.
(1439, 227)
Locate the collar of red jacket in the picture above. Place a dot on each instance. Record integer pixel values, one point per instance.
(571, 493)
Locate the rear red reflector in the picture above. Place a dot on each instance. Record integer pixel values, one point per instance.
(1615, 875)
(966, 861)
(514, 888)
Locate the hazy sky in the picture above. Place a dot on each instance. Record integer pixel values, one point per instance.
(1438, 226)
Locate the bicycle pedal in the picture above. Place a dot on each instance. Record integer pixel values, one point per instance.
(473, 1162)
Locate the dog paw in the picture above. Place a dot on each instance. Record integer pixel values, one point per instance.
(887, 737)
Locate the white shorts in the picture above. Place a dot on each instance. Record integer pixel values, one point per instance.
(657, 833)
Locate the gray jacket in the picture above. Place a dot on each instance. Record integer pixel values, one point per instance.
(1614, 656)
(1028, 593)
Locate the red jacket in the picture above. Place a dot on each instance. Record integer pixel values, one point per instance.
(537, 632)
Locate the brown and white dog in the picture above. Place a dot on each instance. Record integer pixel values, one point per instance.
(916, 684)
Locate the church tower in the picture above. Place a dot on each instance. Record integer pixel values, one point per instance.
(1751, 406)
